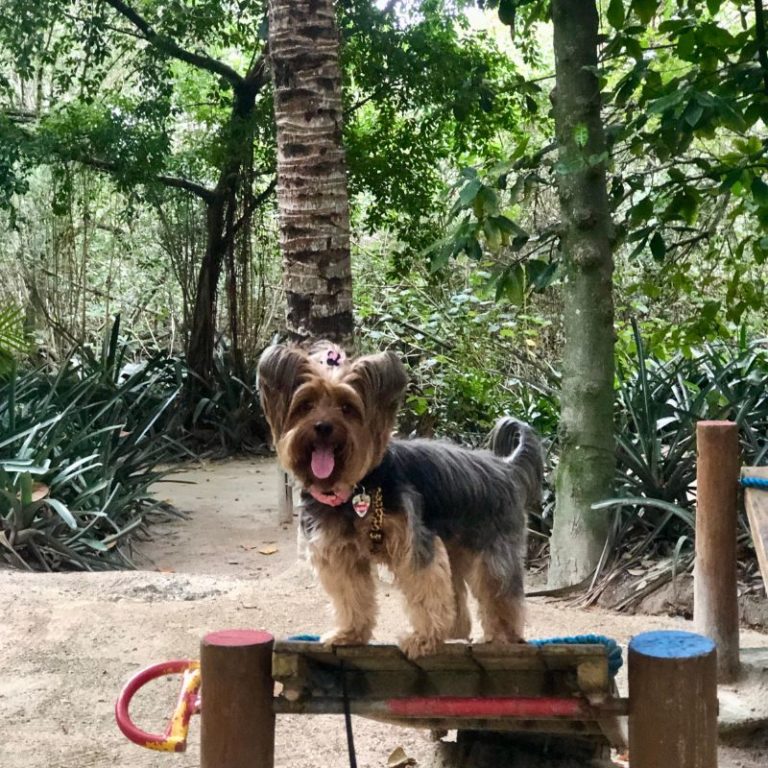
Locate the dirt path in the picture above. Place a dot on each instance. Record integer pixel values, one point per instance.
(69, 641)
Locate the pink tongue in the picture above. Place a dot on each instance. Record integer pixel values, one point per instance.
(322, 462)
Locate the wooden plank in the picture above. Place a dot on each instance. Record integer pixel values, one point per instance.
(450, 708)
(315, 651)
(456, 657)
(459, 669)
(756, 502)
(541, 657)
(374, 658)
(569, 727)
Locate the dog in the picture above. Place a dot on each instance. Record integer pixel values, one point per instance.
(440, 516)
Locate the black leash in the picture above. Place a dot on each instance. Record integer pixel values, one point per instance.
(348, 719)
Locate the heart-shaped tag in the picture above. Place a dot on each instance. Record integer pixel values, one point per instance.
(361, 502)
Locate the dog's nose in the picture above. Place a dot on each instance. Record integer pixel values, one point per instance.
(323, 428)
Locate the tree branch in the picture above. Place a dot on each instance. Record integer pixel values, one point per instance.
(199, 190)
(253, 203)
(165, 44)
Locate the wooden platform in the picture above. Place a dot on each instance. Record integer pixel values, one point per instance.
(756, 503)
(545, 689)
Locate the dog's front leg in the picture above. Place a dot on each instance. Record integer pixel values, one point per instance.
(348, 580)
(429, 601)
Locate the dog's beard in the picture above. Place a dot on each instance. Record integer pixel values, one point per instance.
(329, 469)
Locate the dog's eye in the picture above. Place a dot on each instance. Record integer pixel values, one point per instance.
(347, 409)
(303, 408)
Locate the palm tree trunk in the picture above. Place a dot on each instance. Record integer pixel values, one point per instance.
(311, 169)
(587, 460)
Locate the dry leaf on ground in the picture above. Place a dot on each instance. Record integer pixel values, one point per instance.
(398, 759)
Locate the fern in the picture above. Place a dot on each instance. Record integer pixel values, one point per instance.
(12, 338)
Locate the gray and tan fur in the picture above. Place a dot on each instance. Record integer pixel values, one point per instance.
(454, 518)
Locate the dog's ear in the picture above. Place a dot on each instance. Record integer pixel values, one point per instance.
(381, 380)
(281, 370)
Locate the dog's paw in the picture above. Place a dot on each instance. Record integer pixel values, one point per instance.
(502, 640)
(345, 637)
(414, 646)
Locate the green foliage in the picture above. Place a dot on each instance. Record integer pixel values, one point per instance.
(79, 452)
(659, 403)
(12, 337)
(421, 90)
(471, 360)
(421, 93)
(684, 97)
(227, 415)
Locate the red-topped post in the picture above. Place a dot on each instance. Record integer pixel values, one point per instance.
(238, 720)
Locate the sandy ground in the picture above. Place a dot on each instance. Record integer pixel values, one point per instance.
(69, 641)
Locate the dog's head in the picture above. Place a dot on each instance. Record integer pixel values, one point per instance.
(331, 417)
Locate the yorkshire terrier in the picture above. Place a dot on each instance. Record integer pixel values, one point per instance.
(441, 517)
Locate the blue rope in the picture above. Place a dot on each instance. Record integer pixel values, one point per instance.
(615, 660)
(755, 482)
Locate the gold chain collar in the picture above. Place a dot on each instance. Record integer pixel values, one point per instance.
(376, 534)
(362, 502)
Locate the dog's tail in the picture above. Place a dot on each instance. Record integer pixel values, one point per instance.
(519, 445)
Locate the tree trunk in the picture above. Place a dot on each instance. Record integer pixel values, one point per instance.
(311, 170)
(587, 459)
(203, 331)
(221, 210)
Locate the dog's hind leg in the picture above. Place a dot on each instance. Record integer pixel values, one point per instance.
(348, 579)
(429, 601)
(461, 564)
(501, 601)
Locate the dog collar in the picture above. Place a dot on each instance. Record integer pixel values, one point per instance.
(361, 503)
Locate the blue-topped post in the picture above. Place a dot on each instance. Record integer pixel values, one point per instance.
(715, 596)
(672, 701)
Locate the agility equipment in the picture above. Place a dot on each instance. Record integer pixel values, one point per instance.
(542, 687)
(755, 482)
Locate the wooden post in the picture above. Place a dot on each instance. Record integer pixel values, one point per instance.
(672, 701)
(238, 721)
(715, 602)
(284, 497)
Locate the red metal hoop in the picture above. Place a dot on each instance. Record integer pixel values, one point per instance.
(174, 739)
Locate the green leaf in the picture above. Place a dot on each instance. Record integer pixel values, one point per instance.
(581, 135)
(693, 113)
(615, 14)
(507, 11)
(760, 191)
(493, 235)
(645, 9)
(684, 514)
(62, 511)
(511, 285)
(686, 45)
(642, 210)
(658, 246)
(540, 274)
(713, 6)
(469, 192)
(665, 103)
